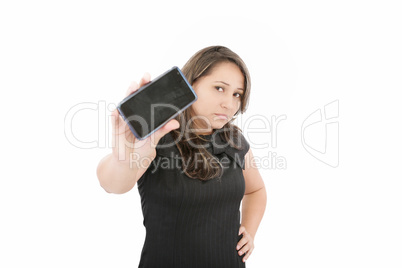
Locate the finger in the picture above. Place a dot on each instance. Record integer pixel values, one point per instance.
(241, 243)
(243, 240)
(145, 79)
(244, 249)
(169, 126)
(242, 229)
(247, 255)
(115, 113)
(132, 88)
(115, 117)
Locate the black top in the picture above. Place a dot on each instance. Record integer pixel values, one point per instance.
(192, 223)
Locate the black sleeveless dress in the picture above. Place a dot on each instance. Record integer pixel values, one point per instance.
(192, 223)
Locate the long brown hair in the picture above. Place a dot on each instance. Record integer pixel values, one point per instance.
(190, 144)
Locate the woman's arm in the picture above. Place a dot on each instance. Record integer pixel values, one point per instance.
(255, 196)
(119, 171)
(119, 176)
(253, 205)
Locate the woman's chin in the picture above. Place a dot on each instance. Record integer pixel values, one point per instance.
(218, 125)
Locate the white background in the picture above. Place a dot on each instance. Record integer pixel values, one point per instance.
(302, 55)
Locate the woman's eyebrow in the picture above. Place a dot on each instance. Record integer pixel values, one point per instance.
(229, 85)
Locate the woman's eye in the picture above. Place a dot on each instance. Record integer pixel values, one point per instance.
(237, 95)
(219, 89)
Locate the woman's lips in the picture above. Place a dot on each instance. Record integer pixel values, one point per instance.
(222, 116)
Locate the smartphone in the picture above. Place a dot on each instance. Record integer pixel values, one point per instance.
(154, 104)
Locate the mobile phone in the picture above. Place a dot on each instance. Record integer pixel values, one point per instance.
(154, 104)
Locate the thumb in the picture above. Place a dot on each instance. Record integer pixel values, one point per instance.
(115, 116)
(169, 126)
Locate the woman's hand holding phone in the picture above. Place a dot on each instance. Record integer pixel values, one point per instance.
(119, 171)
(126, 146)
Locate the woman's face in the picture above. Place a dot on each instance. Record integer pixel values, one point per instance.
(219, 97)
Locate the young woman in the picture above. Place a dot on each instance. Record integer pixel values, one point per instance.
(193, 173)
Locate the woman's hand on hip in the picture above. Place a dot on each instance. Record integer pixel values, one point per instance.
(246, 244)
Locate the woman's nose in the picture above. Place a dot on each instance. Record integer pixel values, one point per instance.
(227, 103)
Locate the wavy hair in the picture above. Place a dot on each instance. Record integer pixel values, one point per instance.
(191, 144)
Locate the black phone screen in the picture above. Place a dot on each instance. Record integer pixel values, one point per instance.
(151, 106)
